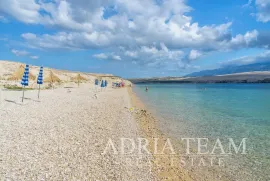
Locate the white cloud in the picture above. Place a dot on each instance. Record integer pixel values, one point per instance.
(248, 4)
(132, 54)
(149, 50)
(194, 54)
(62, 15)
(116, 57)
(155, 55)
(263, 57)
(100, 56)
(34, 57)
(108, 56)
(247, 40)
(22, 53)
(71, 40)
(263, 8)
(131, 26)
(26, 11)
(29, 36)
(19, 52)
(154, 36)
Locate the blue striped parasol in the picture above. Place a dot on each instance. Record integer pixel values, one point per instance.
(96, 82)
(40, 79)
(40, 76)
(106, 83)
(102, 84)
(25, 78)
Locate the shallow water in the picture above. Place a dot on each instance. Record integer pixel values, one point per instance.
(217, 111)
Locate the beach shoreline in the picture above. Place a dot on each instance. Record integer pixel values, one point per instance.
(66, 134)
(177, 116)
(165, 166)
(50, 134)
(170, 165)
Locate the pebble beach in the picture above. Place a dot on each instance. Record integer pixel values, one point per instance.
(62, 135)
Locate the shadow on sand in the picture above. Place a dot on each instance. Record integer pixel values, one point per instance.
(10, 101)
(20, 103)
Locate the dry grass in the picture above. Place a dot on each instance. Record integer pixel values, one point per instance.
(52, 78)
(18, 74)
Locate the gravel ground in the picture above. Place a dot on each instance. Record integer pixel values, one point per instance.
(62, 136)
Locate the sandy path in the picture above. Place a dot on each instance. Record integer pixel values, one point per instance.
(62, 136)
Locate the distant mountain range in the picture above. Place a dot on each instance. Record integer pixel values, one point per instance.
(252, 73)
(232, 70)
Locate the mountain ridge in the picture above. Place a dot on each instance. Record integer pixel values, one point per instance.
(232, 70)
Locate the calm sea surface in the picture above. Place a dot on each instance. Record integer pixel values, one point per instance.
(217, 111)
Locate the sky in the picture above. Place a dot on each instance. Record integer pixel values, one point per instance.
(138, 38)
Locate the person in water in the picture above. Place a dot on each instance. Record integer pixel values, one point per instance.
(146, 89)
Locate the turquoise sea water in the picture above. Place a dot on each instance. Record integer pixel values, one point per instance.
(217, 111)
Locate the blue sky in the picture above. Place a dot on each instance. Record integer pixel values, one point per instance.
(135, 38)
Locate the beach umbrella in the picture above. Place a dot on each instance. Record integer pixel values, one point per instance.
(18, 74)
(102, 84)
(96, 81)
(106, 83)
(40, 79)
(96, 84)
(79, 78)
(25, 78)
